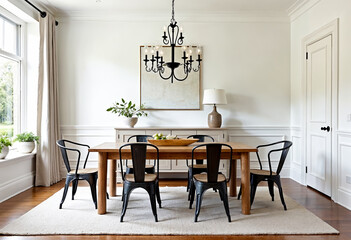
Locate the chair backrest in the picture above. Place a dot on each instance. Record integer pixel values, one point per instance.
(282, 146)
(213, 154)
(139, 138)
(138, 151)
(202, 138)
(62, 145)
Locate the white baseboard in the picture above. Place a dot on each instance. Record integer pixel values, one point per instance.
(344, 198)
(16, 186)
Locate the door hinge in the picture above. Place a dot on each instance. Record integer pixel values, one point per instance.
(118, 136)
(306, 55)
(306, 169)
(223, 135)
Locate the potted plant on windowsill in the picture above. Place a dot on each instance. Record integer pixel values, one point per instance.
(5, 142)
(26, 142)
(128, 110)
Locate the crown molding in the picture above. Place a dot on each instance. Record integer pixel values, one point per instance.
(300, 7)
(45, 5)
(249, 16)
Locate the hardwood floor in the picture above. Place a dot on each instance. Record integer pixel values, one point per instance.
(334, 214)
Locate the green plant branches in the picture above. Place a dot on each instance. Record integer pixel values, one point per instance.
(4, 142)
(127, 109)
(26, 137)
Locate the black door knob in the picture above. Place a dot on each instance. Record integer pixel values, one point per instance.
(325, 128)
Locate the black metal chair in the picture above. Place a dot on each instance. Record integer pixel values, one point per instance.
(139, 178)
(258, 175)
(74, 175)
(148, 167)
(199, 167)
(211, 179)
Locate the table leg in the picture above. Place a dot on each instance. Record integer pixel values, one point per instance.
(245, 183)
(102, 182)
(113, 178)
(232, 183)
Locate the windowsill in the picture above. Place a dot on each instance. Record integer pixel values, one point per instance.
(16, 156)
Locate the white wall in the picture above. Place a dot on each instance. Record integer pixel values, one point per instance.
(319, 15)
(99, 64)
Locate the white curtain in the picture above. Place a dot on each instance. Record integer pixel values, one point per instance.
(48, 159)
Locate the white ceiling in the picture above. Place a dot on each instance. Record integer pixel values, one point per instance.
(97, 7)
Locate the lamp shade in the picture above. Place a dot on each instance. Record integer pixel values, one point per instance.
(214, 96)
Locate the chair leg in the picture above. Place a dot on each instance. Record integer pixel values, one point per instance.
(74, 187)
(92, 183)
(68, 180)
(191, 194)
(254, 184)
(190, 177)
(126, 193)
(151, 191)
(224, 198)
(199, 194)
(239, 194)
(271, 188)
(281, 192)
(158, 196)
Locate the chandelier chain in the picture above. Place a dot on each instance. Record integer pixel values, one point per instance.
(172, 20)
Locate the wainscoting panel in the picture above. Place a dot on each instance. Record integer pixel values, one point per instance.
(297, 160)
(16, 175)
(344, 169)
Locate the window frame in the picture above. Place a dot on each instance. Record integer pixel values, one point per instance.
(21, 88)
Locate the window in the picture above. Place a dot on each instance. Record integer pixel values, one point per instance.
(10, 66)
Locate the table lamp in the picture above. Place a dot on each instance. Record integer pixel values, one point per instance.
(215, 97)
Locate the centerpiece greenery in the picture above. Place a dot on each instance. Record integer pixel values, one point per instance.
(127, 109)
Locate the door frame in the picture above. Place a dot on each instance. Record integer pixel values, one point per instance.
(332, 29)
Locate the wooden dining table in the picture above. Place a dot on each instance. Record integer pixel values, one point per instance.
(110, 151)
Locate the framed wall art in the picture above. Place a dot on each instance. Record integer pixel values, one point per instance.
(159, 94)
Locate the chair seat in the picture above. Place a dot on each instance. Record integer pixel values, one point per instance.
(148, 177)
(84, 171)
(146, 166)
(199, 166)
(262, 172)
(203, 177)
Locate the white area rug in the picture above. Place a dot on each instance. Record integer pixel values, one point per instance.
(175, 218)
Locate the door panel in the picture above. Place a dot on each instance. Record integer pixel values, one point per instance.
(319, 115)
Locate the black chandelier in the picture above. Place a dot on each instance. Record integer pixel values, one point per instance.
(173, 37)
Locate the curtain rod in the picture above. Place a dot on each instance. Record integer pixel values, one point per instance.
(42, 13)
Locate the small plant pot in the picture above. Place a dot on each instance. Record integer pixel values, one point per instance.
(25, 147)
(4, 152)
(130, 122)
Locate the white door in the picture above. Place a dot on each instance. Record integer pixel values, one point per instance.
(319, 76)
